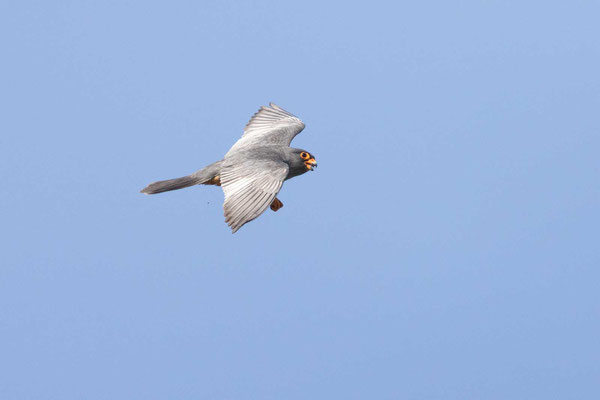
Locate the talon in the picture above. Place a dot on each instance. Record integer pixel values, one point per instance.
(276, 204)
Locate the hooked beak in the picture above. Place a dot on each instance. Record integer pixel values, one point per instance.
(311, 164)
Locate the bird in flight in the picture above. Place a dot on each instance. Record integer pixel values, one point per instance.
(254, 169)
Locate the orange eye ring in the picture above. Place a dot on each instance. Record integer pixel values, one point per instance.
(304, 155)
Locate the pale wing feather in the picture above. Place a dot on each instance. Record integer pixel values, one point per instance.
(270, 125)
(250, 187)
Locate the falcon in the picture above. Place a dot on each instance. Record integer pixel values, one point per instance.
(252, 172)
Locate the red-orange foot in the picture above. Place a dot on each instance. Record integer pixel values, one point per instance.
(276, 204)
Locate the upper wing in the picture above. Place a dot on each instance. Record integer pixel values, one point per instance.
(270, 125)
(250, 187)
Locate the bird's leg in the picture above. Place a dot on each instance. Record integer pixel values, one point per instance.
(276, 204)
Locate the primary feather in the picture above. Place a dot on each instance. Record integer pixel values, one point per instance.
(250, 186)
(271, 125)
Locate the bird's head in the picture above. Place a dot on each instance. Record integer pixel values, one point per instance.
(308, 160)
(301, 161)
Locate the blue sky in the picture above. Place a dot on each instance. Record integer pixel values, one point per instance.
(446, 248)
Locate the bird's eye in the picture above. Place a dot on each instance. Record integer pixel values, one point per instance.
(304, 155)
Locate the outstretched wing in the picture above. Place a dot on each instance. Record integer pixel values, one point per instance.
(270, 125)
(250, 187)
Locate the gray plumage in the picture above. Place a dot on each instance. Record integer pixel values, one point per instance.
(203, 176)
(254, 169)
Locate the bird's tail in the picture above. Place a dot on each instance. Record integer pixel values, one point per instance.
(208, 176)
(170, 184)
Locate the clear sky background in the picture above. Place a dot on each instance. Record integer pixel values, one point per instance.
(447, 247)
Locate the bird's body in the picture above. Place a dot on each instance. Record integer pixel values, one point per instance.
(254, 169)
